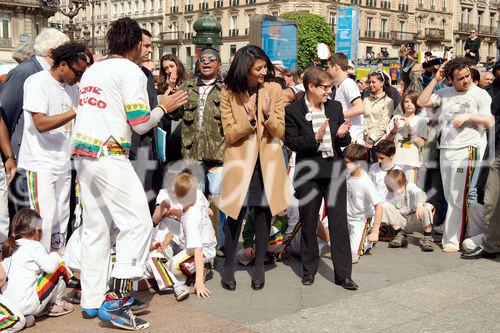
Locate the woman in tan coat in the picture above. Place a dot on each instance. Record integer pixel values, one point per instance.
(254, 174)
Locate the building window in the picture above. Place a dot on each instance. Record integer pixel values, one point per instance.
(5, 27)
(174, 51)
(234, 22)
(443, 25)
(333, 20)
(369, 23)
(383, 25)
(479, 19)
(432, 23)
(402, 26)
(232, 49)
(275, 13)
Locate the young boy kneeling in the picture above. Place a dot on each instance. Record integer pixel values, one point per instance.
(197, 237)
(406, 210)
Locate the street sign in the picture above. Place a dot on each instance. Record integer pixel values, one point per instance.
(348, 32)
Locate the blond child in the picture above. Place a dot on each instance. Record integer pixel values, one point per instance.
(406, 211)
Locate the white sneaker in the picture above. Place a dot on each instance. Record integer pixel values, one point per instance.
(30, 321)
(181, 292)
(355, 260)
(468, 245)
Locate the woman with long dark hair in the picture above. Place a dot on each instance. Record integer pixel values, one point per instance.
(254, 174)
(172, 73)
(379, 108)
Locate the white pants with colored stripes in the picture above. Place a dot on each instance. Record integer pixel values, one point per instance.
(4, 205)
(49, 196)
(111, 192)
(55, 297)
(11, 320)
(359, 229)
(458, 174)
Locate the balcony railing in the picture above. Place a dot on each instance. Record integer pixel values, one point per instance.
(249, 2)
(234, 3)
(385, 4)
(203, 6)
(482, 29)
(171, 38)
(5, 42)
(174, 9)
(233, 32)
(371, 3)
(434, 34)
(188, 35)
(369, 34)
(356, 2)
(383, 35)
(399, 37)
(403, 7)
(188, 8)
(218, 4)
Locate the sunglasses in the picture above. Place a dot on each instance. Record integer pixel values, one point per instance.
(380, 72)
(209, 59)
(78, 73)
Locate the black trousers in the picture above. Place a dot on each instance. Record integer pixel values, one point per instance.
(310, 195)
(232, 230)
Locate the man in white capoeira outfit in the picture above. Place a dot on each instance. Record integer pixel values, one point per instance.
(113, 102)
(464, 114)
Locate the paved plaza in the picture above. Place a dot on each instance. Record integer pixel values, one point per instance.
(401, 290)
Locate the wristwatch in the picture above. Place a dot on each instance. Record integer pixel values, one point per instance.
(11, 157)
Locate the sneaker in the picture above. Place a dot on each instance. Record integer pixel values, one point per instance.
(355, 260)
(61, 309)
(220, 253)
(89, 313)
(399, 240)
(139, 306)
(30, 321)
(426, 244)
(181, 292)
(76, 296)
(439, 229)
(119, 314)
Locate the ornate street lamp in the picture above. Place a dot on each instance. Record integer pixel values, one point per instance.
(70, 12)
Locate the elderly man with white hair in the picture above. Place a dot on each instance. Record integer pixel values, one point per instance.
(11, 101)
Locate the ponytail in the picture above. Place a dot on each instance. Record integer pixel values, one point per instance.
(24, 225)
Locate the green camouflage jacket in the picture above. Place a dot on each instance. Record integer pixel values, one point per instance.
(206, 142)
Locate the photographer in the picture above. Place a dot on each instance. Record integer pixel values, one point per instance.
(408, 58)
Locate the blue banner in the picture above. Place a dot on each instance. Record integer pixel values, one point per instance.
(279, 41)
(348, 32)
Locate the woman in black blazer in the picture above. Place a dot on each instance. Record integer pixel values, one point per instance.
(316, 130)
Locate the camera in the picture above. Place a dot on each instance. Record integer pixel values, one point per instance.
(432, 63)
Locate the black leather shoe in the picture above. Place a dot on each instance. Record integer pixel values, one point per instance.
(257, 284)
(348, 284)
(478, 253)
(228, 285)
(307, 279)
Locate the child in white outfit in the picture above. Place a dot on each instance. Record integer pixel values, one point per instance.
(35, 278)
(11, 319)
(197, 239)
(363, 203)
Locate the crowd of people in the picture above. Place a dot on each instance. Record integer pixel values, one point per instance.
(304, 163)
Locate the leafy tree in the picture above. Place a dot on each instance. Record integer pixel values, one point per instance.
(312, 29)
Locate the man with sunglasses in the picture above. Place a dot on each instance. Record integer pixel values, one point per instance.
(202, 135)
(50, 100)
(471, 47)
